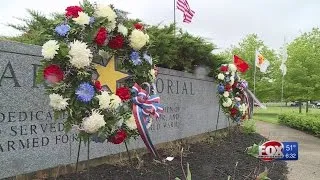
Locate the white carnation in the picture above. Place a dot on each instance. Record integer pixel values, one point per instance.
(106, 11)
(111, 26)
(82, 19)
(80, 54)
(57, 102)
(131, 123)
(237, 99)
(137, 39)
(123, 30)
(93, 123)
(115, 101)
(226, 94)
(232, 67)
(220, 76)
(104, 100)
(49, 49)
(227, 103)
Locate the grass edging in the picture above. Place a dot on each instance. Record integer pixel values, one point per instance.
(309, 123)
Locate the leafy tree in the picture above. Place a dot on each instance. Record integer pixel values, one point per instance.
(302, 79)
(267, 84)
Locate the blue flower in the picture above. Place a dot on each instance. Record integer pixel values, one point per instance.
(135, 58)
(92, 20)
(85, 92)
(62, 29)
(221, 89)
(147, 58)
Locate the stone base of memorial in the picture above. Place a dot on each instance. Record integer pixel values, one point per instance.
(31, 140)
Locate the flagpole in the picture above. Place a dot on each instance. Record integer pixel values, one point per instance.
(174, 16)
(254, 75)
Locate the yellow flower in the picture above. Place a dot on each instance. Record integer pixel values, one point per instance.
(138, 39)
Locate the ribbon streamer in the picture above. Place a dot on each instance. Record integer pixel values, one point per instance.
(144, 107)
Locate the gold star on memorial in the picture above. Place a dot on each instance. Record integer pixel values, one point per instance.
(109, 76)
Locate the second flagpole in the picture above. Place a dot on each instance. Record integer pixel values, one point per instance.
(174, 16)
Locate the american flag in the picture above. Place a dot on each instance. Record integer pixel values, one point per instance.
(183, 6)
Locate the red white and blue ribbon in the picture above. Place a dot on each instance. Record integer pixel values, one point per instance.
(144, 107)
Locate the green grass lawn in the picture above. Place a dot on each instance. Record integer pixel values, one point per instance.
(271, 113)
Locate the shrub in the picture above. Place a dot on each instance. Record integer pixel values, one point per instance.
(305, 122)
(249, 126)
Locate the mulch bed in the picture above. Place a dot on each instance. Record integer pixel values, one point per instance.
(212, 159)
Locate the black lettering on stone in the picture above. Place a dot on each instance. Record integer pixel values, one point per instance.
(37, 115)
(20, 116)
(158, 87)
(184, 88)
(46, 142)
(2, 117)
(44, 128)
(14, 131)
(35, 142)
(35, 69)
(10, 145)
(177, 87)
(191, 90)
(13, 75)
(170, 83)
(23, 129)
(49, 116)
(11, 116)
(1, 149)
(33, 129)
(53, 127)
(24, 145)
(60, 127)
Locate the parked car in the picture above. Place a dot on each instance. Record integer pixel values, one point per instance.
(316, 103)
(296, 103)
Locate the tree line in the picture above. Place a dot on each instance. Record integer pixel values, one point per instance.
(177, 49)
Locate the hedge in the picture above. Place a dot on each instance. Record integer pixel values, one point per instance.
(309, 123)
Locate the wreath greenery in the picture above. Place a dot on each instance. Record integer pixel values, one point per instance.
(94, 34)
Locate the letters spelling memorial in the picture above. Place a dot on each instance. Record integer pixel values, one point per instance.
(32, 140)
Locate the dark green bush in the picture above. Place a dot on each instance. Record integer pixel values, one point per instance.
(309, 123)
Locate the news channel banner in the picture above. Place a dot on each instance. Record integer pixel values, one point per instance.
(276, 150)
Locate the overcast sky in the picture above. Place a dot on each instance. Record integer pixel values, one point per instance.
(223, 22)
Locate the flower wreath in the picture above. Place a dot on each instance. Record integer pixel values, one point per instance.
(232, 91)
(92, 32)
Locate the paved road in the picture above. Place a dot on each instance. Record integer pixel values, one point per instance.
(308, 165)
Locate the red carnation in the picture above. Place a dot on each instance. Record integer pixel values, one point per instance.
(97, 85)
(235, 84)
(116, 42)
(233, 111)
(138, 26)
(73, 11)
(53, 74)
(228, 87)
(123, 93)
(224, 68)
(119, 137)
(101, 36)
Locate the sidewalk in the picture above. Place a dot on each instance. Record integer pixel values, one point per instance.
(308, 165)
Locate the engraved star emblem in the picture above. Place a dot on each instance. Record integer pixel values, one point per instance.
(109, 75)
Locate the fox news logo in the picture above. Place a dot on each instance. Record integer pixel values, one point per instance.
(272, 150)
